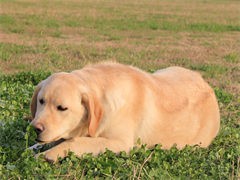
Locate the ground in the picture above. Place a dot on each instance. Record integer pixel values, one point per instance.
(39, 37)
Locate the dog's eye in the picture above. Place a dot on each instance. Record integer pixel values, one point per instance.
(41, 101)
(60, 108)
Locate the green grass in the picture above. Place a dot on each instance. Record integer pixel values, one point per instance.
(47, 36)
(108, 24)
(6, 20)
(9, 24)
(211, 70)
(232, 57)
(219, 161)
(127, 17)
(7, 50)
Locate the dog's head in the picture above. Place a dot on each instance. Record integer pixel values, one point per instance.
(63, 107)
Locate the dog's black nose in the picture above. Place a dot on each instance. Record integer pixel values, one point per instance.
(38, 128)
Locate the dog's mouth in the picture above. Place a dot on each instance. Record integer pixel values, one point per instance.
(55, 142)
(40, 141)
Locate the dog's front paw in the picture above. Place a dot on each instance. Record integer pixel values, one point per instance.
(48, 156)
(51, 156)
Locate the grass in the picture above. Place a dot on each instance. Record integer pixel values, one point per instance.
(232, 57)
(211, 70)
(107, 24)
(220, 160)
(7, 50)
(40, 37)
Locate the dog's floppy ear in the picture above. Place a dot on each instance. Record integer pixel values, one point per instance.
(95, 112)
(33, 105)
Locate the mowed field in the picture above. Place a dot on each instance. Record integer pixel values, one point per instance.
(41, 37)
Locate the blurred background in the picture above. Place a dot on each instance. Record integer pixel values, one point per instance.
(58, 35)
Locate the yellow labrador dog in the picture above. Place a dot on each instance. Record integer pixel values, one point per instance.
(111, 106)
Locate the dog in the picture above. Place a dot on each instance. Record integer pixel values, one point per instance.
(113, 106)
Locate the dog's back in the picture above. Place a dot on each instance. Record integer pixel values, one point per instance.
(188, 108)
(173, 105)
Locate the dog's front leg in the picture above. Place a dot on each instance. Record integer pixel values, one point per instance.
(83, 145)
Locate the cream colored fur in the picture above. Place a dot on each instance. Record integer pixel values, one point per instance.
(111, 106)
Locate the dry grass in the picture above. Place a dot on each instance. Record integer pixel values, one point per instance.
(65, 35)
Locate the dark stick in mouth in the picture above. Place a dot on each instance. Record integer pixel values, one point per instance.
(40, 146)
